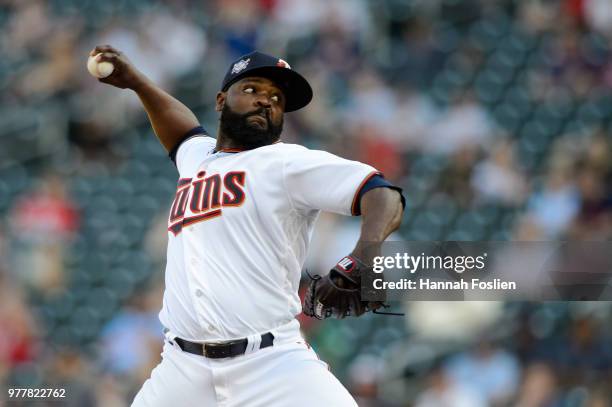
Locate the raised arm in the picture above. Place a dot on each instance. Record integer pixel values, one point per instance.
(170, 119)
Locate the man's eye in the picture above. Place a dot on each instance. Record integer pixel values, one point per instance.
(249, 90)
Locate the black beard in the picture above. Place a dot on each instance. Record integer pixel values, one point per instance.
(236, 127)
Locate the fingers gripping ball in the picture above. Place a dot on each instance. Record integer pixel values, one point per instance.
(99, 69)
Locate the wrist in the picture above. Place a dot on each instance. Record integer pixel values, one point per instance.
(140, 84)
(370, 238)
(365, 251)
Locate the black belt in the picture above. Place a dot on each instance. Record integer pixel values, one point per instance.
(222, 350)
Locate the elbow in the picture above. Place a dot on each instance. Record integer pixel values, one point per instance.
(395, 209)
(383, 206)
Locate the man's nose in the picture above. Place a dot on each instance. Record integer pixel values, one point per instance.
(264, 101)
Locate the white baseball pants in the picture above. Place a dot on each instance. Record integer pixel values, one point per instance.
(286, 374)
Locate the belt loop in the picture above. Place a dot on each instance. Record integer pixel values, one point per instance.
(275, 335)
(253, 343)
(169, 336)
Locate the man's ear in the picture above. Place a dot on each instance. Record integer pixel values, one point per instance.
(220, 101)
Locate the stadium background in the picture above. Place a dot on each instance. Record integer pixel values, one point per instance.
(494, 115)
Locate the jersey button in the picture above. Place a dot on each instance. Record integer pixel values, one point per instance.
(199, 293)
(211, 328)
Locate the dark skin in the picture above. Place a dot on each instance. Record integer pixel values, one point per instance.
(251, 95)
(171, 119)
(381, 208)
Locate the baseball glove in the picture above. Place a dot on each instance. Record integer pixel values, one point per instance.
(338, 294)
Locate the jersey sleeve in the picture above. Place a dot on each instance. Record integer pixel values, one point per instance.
(318, 180)
(192, 149)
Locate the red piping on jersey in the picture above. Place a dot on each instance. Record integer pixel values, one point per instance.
(365, 180)
(230, 150)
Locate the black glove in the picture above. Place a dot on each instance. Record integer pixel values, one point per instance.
(338, 294)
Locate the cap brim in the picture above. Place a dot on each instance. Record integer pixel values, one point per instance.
(295, 87)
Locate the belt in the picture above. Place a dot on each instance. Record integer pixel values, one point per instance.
(224, 349)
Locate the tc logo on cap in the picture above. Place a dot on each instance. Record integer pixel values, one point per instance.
(283, 64)
(241, 65)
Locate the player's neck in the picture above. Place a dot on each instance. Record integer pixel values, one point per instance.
(225, 143)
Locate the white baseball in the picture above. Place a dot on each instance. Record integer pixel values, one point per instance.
(99, 69)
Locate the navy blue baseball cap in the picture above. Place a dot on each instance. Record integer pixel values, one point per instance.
(294, 86)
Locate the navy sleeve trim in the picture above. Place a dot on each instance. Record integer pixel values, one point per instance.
(355, 211)
(375, 181)
(196, 131)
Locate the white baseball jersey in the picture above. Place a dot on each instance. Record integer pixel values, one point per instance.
(239, 229)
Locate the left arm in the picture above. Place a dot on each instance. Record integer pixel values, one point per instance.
(338, 294)
(381, 214)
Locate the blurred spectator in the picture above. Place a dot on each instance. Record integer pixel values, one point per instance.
(300, 18)
(498, 179)
(27, 28)
(156, 241)
(489, 371)
(527, 229)
(43, 222)
(538, 16)
(57, 72)
(463, 124)
(452, 321)
(93, 138)
(372, 102)
(154, 45)
(455, 179)
(134, 337)
(379, 152)
(569, 62)
(554, 207)
(600, 397)
(442, 392)
(585, 353)
(365, 374)
(539, 388)
(111, 391)
(71, 371)
(598, 14)
(413, 116)
(238, 21)
(166, 32)
(19, 334)
(598, 155)
(594, 220)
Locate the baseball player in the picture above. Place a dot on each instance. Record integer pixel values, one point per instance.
(238, 233)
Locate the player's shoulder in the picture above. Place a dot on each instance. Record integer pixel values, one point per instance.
(282, 146)
(202, 139)
(199, 142)
(289, 148)
(298, 153)
(277, 151)
(196, 137)
(191, 150)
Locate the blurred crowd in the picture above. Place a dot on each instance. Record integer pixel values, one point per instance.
(494, 116)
